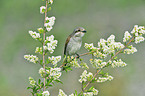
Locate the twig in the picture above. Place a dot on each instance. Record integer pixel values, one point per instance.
(77, 57)
(44, 44)
(91, 79)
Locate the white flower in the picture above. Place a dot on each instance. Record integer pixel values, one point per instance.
(139, 39)
(95, 91)
(130, 50)
(54, 60)
(106, 78)
(102, 43)
(89, 46)
(42, 9)
(34, 35)
(50, 1)
(38, 50)
(50, 38)
(102, 79)
(110, 78)
(55, 73)
(127, 36)
(31, 58)
(118, 63)
(61, 93)
(84, 65)
(97, 63)
(45, 93)
(32, 81)
(41, 72)
(75, 63)
(50, 44)
(88, 94)
(111, 39)
(49, 28)
(118, 45)
(45, 47)
(89, 75)
(49, 23)
(138, 30)
(72, 94)
(83, 77)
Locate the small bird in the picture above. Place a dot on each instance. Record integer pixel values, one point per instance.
(74, 41)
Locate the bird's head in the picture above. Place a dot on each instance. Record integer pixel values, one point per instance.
(79, 32)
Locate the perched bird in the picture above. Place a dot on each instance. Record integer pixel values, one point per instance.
(74, 41)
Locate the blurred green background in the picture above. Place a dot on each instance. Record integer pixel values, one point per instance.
(100, 18)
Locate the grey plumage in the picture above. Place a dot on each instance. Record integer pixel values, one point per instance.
(74, 41)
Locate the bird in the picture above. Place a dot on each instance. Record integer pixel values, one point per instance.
(74, 41)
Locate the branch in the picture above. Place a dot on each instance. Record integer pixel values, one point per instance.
(77, 57)
(44, 43)
(110, 59)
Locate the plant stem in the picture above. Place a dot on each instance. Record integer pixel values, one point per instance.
(44, 44)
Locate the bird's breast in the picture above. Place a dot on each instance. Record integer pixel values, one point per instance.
(73, 46)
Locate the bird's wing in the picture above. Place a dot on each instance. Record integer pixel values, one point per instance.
(66, 43)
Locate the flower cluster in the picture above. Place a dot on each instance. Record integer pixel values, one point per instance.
(55, 73)
(38, 50)
(50, 44)
(42, 9)
(108, 46)
(88, 94)
(85, 77)
(34, 35)
(54, 60)
(97, 63)
(118, 63)
(90, 47)
(105, 78)
(130, 50)
(42, 72)
(49, 23)
(32, 81)
(138, 31)
(95, 91)
(75, 63)
(61, 93)
(31, 58)
(45, 93)
(127, 36)
(105, 47)
(139, 39)
(84, 65)
(91, 92)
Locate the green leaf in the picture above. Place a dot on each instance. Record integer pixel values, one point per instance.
(39, 81)
(49, 85)
(84, 86)
(76, 92)
(47, 61)
(49, 9)
(115, 57)
(90, 89)
(29, 88)
(41, 62)
(39, 94)
(58, 81)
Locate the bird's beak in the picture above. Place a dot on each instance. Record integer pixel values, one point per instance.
(84, 31)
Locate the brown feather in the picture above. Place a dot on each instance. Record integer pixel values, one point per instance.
(67, 40)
